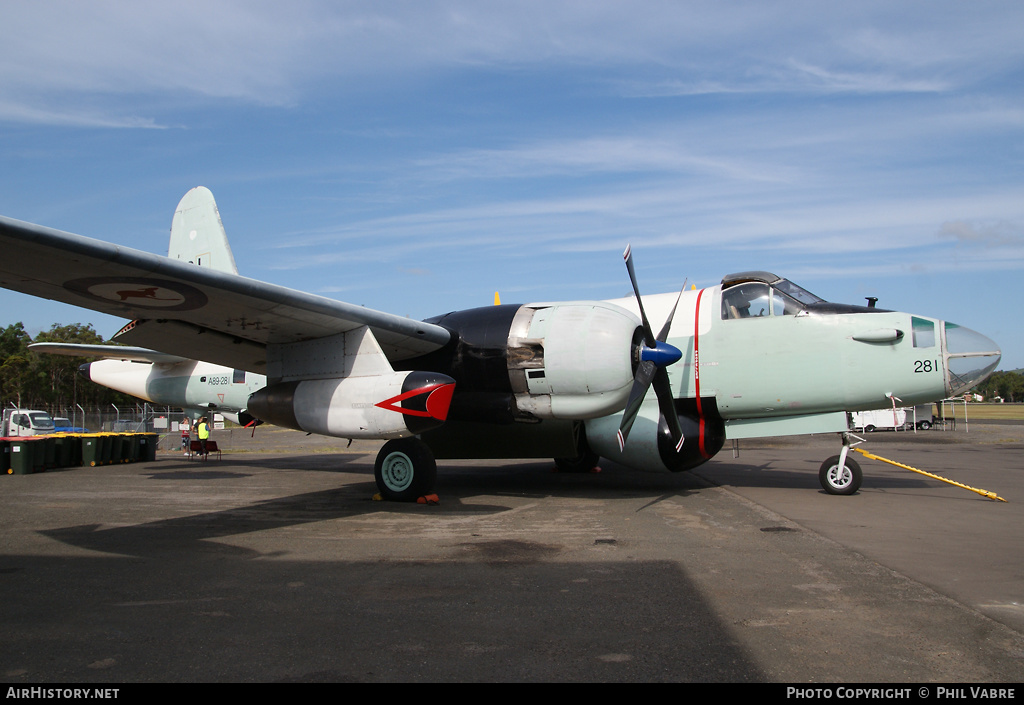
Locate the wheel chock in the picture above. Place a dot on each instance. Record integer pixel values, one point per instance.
(426, 499)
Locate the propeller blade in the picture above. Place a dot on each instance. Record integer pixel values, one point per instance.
(672, 314)
(645, 374)
(666, 404)
(652, 357)
(649, 338)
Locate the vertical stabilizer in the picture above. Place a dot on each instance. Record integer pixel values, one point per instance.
(197, 234)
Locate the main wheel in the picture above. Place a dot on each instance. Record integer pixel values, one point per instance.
(405, 470)
(586, 462)
(834, 482)
(585, 459)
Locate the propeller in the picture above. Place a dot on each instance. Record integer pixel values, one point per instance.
(652, 357)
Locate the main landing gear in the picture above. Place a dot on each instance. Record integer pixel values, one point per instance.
(405, 470)
(841, 474)
(586, 461)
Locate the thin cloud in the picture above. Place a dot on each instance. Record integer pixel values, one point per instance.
(63, 116)
(1000, 234)
(267, 53)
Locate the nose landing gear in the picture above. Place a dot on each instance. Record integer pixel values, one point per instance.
(841, 474)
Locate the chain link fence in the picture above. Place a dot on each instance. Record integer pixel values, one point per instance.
(141, 418)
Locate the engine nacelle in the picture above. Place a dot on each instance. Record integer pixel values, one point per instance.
(392, 405)
(650, 446)
(571, 360)
(130, 378)
(242, 418)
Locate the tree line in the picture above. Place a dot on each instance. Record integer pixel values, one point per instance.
(1008, 385)
(35, 381)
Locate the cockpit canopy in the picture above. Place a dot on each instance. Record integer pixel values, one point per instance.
(757, 294)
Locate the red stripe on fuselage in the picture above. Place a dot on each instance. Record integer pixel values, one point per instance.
(696, 375)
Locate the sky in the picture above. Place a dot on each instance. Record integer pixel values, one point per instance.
(415, 157)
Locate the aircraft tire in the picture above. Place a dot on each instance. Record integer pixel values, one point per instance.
(405, 470)
(846, 484)
(586, 462)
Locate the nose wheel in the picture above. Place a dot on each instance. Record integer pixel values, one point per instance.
(839, 478)
(841, 474)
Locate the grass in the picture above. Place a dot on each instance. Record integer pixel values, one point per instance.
(993, 411)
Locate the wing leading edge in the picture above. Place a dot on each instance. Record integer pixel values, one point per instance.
(187, 310)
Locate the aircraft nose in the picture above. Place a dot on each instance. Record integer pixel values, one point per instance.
(84, 370)
(970, 357)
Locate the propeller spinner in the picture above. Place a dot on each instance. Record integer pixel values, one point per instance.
(652, 357)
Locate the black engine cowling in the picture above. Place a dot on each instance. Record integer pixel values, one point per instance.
(569, 360)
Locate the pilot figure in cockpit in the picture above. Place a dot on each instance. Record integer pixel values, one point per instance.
(735, 304)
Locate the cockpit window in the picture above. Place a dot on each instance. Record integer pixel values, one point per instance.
(750, 295)
(798, 293)
(755, 294)
(785, 305)
(924, 332)
(749, 300)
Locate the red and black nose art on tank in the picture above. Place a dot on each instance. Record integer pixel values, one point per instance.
(424, 400)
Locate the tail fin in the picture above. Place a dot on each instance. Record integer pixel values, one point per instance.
(197, 233)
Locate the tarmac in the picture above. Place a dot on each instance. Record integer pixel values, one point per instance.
(275, 564)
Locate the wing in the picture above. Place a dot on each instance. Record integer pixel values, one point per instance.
(186, 310)
(107, 352)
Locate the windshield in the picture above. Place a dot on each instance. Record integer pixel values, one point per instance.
(41, 420)
(798, 293)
